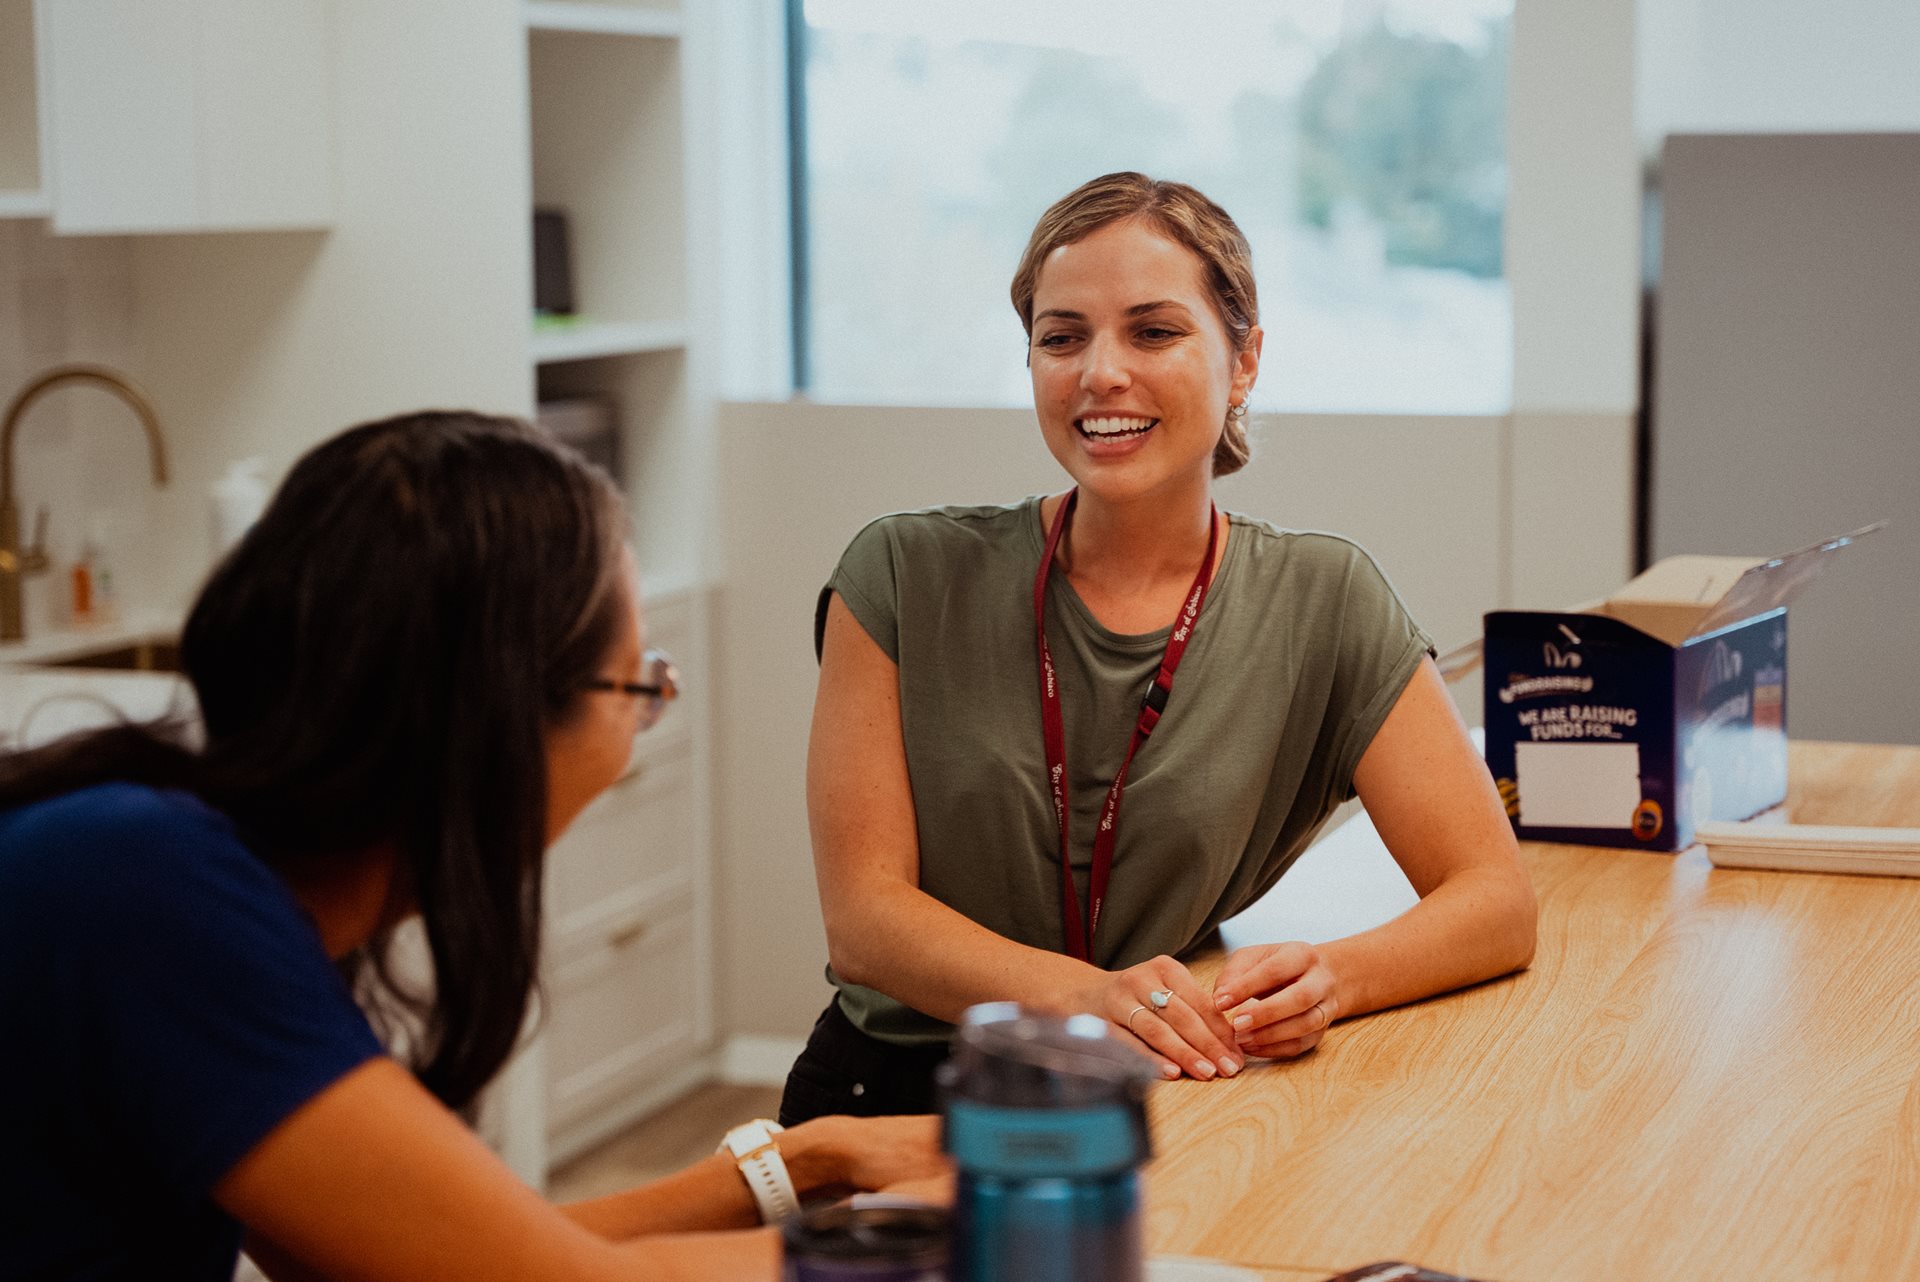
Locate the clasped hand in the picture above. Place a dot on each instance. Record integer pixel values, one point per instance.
(1273, 1001)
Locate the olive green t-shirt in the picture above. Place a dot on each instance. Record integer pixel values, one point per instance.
(1298, 655)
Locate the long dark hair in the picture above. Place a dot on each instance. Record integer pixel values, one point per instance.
(378, 661)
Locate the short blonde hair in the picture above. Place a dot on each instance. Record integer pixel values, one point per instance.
(1183, 215)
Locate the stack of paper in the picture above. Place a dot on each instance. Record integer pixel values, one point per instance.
(1886, 852)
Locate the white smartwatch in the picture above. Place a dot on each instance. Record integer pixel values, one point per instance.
(758, 1157)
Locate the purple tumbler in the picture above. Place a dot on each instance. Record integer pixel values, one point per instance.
(871, 1242)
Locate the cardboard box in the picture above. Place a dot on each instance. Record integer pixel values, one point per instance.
(1630, 721)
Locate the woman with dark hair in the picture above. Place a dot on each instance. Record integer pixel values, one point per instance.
(413, 673)
(1009, 796)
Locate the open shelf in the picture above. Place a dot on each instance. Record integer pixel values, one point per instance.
(607, 153)
(648, 395)
(602, 19)
(583, 339)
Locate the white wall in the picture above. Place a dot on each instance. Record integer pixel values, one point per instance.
(1573, 262)
(1740, 375)
(1787, 66)
(267, 343)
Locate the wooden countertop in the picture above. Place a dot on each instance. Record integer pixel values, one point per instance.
(1707, 1073)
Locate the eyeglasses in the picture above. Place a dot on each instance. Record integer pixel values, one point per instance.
(660, 687)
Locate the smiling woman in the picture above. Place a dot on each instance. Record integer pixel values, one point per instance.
(970, 851)
(1132, 360)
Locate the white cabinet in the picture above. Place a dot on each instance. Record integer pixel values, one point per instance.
(628, 1016)
(22, 190)
(174, 115)
(629, 1010)
(620, 1027)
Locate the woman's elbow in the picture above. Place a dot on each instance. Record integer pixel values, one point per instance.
(847, 960)
(1523, 921)
(850, 944)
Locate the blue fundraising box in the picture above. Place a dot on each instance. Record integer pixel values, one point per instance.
(1629, 722)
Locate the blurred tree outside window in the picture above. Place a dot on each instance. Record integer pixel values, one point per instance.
(1361, 145)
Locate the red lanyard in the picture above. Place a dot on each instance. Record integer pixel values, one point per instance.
(1079, 933)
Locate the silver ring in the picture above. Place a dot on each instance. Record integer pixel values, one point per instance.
(1324, 1021)
(1130, 1014)
(1160, 997)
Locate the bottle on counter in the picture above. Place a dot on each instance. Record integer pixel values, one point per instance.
(82, 606)
(1046, 1120)
(91, 600)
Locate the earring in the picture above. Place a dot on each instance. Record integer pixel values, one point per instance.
(1236, 412)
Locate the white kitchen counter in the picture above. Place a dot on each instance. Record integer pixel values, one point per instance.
(38, 705)
(47, 645)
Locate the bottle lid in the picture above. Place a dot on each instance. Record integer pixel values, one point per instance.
(1006, 1054)
(1031, 1096)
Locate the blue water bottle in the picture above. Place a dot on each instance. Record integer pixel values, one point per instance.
(1046, 1121)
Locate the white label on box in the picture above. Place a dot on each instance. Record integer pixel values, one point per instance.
(1577, 785)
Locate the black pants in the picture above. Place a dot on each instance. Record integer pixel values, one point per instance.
(843, 1070)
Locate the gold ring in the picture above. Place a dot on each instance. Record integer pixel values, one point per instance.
(1130, 1017)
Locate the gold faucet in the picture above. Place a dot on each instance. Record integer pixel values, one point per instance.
(16, 564)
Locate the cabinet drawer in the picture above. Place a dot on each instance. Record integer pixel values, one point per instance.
(634, 844)
(619, 1014)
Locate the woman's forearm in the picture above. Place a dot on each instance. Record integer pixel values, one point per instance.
(710, 1194)
(894, 937)
(902, 941)
(1476, 925)
(1434, 805)
(883, 931)
(829, 1155)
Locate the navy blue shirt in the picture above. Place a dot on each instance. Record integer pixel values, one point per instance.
(164, 1003)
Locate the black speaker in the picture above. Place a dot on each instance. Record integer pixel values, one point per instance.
(552, 264)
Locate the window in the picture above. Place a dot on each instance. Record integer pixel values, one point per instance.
(1360, 145)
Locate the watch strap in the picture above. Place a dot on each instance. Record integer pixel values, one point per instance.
(757, 1154)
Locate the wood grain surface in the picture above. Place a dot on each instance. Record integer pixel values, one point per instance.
(1706, 1073)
